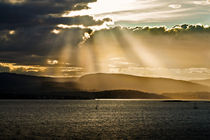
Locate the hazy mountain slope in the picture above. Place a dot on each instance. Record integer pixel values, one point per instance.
(202, 82)
(101, 82)
(17, 86)
(96, 86)
(188, 95)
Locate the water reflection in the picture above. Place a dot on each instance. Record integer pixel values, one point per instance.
(103, 119)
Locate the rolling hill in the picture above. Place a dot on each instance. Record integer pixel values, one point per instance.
(101, 81)
(92, 86)
(18, 83)
(205, 82)
(16, 86)
(188, 95)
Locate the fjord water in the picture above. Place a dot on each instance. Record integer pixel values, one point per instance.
(104, 119)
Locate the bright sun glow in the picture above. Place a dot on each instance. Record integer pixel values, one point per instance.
(11, 32)
(55, 31)
(106, 8)
(103, 6)
(144, 11)
(94, 28)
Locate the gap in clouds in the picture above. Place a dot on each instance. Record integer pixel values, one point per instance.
(149, 12)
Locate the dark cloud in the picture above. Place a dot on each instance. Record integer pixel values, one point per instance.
(177, 29)
(35, 45)
(80, 6)
(32, 22)
(79, 20)
(147, 30)
(41, 13)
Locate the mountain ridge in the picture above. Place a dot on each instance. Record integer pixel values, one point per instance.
(205, 82)
(108, 86)
(101, 81)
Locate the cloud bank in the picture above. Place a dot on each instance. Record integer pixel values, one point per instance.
(45, 37)
(29, 28)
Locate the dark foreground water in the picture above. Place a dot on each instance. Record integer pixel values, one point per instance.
(103, 119)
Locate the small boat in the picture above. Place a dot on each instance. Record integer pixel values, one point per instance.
(97, 105)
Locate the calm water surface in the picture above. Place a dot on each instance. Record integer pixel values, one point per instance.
(103, 119)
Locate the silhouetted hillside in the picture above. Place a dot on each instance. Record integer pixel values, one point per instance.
(93, 86)
(115, 94)
(100, 82)
(15, 86)
(17, 83)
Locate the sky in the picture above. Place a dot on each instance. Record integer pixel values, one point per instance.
(149, 12)
(155, 38)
